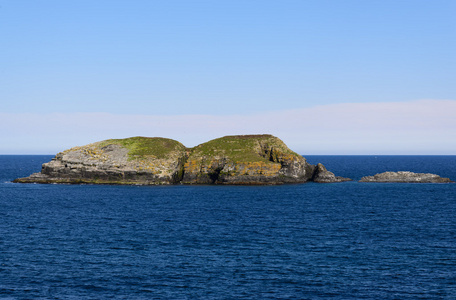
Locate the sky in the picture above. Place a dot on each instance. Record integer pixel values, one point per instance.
(327, 77)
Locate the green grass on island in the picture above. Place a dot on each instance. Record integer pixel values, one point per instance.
(246, 148)
(140, 147)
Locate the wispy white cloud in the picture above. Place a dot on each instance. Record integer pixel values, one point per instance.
(414, 127)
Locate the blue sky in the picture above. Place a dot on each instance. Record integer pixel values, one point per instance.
(67, 63)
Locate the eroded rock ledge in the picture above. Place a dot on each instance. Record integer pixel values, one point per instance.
(241, 159)
(405, 176)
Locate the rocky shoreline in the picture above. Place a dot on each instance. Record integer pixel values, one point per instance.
(230, 160)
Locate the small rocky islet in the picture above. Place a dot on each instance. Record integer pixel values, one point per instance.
(406, 177)
(232, 160)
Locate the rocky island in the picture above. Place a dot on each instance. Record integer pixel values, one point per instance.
(240, 159)
(405, 176)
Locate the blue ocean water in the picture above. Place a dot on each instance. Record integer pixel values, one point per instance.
(303, 241)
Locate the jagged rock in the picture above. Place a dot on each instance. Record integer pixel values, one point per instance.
(242, 159)
(405, 176)
(322, 175)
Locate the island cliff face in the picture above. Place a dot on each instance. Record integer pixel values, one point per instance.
(242, 159)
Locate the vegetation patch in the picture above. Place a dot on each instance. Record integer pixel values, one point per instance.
(241, 148)
(141, 147)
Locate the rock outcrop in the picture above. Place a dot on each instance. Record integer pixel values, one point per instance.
(405, 176)
(242, 159)
(322, 175)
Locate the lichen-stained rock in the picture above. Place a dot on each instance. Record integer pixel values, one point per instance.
(322, 175)
(245, 159)
(136, 160)
(406, 176)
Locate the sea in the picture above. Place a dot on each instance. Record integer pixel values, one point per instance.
(346, 240)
